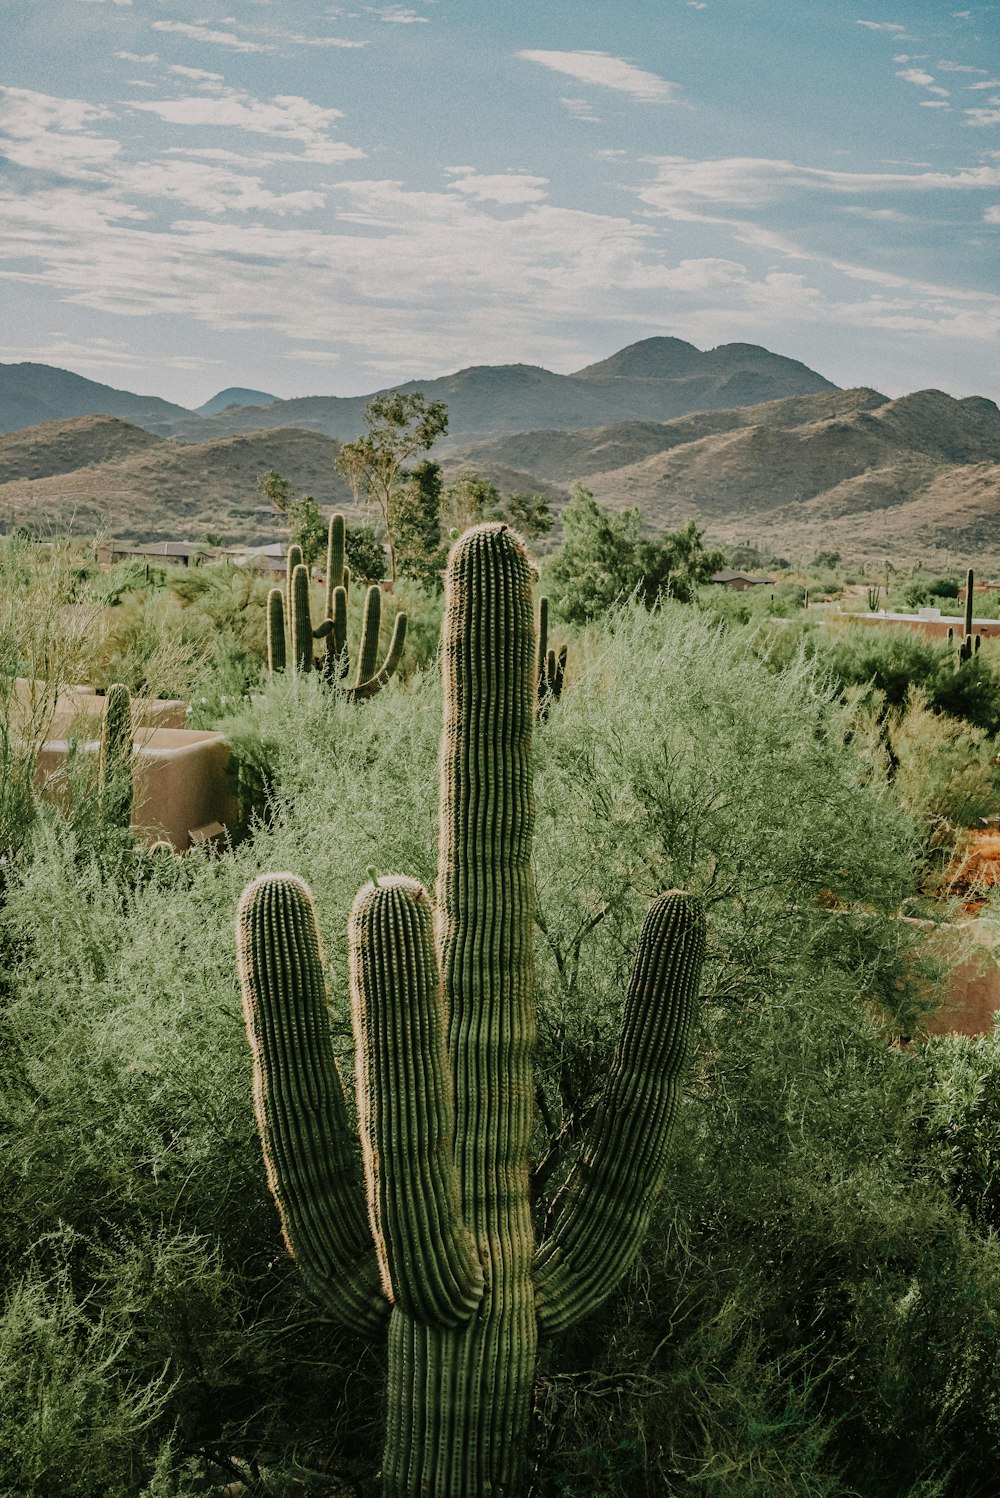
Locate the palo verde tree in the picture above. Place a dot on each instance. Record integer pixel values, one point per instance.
(400, 425)
(306, 528)
(444, 1023)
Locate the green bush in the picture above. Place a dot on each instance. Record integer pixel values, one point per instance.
(815, 1311)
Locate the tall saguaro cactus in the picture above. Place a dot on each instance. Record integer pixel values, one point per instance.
(444, 1031)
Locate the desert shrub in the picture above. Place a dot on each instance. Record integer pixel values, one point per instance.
(805, 1228)
(73, 1419)
(945, 770)
(961, 1121)
(894, 661)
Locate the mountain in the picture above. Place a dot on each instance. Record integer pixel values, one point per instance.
(813, 467)
(234, 396)
(33, 393)
(130, 483)
(915, 476)
(656, 379)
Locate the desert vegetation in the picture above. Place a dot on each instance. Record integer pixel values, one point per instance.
(814, 1305)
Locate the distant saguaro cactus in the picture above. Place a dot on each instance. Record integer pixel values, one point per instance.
(115, 757)
(550, 668)
(370, 677)
(970, 644)
(444, 1025)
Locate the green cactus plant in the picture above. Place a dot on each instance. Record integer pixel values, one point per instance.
(444, 1030)
(550, 668)
(970, 643)
(114, 773)
(370, 678)
(275, 631)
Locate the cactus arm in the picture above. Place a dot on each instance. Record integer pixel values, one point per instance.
(293, 559)
(560, 672)
(335, 662)
(275, 631)
(370, 629)
(115, 757)
(601, 1214)
(542, 648)
(406, 1109)
(301, 620)
(309, 1147)
(375, 683)
(336, 537)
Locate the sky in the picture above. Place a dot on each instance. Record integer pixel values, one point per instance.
(331, 199)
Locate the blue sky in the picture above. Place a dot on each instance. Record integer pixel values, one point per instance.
(326, 199)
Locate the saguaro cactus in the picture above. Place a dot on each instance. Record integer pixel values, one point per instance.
(114, 773)
(444, 1043)
(370, 677)
(550, 668)
(970, 644)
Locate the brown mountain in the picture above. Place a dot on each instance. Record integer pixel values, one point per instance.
(655, 380)
(851, 469)
(99, 475)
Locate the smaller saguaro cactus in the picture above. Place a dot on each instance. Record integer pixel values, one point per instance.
(970, 643)
(114, 775)
(550, 667)
(370, 678)
(275, 631)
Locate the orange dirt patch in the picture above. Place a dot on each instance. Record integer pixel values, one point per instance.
(978, 871)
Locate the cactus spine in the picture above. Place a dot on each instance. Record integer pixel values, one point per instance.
(444, 1042)
(114, 774)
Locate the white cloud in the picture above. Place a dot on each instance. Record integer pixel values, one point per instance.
(137, 57)
(508, 187)
(50, 134)
(992, 215)
(605, 71)
(916, 75)
(989, 83)
(212, 189)
(401, 15)
(982, 117)
(581, 109)
(200, 33)
(684, 186)
(959, 67)
(285, 117)
(934, 104)
(196, 73)
(892, 27)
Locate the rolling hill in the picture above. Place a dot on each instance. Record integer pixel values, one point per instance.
(131, 483)
(805, 470)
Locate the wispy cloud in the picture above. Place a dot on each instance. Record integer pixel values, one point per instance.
(605, 71)
(916, 75)
(581, 109)
(507, 187)
(50, 134)
(287, 117)
(400, 15)
(892, 27)
(200, 33)
(983, 117)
